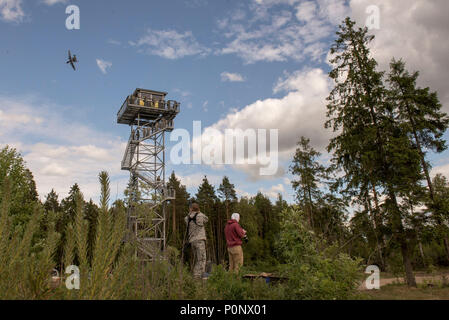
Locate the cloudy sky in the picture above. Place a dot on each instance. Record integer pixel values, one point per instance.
(257, 64)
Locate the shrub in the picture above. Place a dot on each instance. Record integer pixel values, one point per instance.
(314, 274)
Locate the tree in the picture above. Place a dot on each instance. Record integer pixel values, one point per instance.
(309, 172)
(227, 193)
(420, 110)
(440, 209)
(66, 216)
(22, 187)
(178, 210)
(280, 204)
(269, 225)
(51, 202)
(69, 204)
(371, 147)
(91, 212)
(207, 199)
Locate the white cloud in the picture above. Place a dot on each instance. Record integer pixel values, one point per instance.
(53, 2)
(273, 191)
(443, 169)
(11, 10)
(306, 11)
(170, 44)
(103, 65)
(231, 77)
(60, 151)
(193, 181)
(301, 111)
(114, 42)
(415, 31)
(183, 93)
(205, 106)
(273, 33)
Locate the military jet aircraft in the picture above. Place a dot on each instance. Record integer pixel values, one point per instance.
(72, 60)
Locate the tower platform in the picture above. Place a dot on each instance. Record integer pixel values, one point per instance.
(147, 105)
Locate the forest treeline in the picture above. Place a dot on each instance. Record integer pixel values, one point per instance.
(374, 202)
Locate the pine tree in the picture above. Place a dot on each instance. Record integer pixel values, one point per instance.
(178, 210)
(91, 212)
(309, 172)
(69, 204)
(65, 220)
(51, 202)
(207, 199)
(268, 225)
(227, 193)
(372, 147)
(280, 204)
(420, 110)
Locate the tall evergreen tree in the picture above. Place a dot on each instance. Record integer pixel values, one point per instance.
(68, 204)
(177, 210)
(51, 202)
(269, 225)
(207, 199)
(280, 204)
(371, 146)
(227, 193)
(309, 172)
(420, 110)
(66, 217)
(91, 211)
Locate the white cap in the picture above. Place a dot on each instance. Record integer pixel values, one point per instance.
(235, 216)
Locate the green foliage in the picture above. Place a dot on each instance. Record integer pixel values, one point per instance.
(227, 193)
(177, 210)
(22, 186)
(24, 266)
(314, 273)
(309, 172)
(223, 285)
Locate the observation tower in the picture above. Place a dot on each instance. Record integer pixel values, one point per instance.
(149, 116)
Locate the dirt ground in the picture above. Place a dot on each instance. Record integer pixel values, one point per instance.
(421, 278)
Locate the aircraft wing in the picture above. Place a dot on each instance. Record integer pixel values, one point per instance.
(70, 55)
(73, 65)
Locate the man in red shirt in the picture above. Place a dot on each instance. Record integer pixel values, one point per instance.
(234, 235)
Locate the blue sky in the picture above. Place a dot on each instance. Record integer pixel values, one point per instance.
(231, 64)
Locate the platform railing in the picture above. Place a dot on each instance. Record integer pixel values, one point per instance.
(123, 108)
(170, 105)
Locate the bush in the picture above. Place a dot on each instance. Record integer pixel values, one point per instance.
(230, 286)
(314, 274)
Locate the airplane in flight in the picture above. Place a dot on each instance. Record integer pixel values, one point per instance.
(72, 60)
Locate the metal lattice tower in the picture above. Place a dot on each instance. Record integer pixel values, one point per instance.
(149, 116)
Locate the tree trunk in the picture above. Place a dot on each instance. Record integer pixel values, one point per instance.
(311, 209)
(410, 277)
(175, 234)
(374, 214)
(402, 238)
(421, 251)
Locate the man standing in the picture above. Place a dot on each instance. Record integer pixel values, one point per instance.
(234, 235)
(196, 236)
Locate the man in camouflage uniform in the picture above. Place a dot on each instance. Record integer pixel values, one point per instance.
(195, 221)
